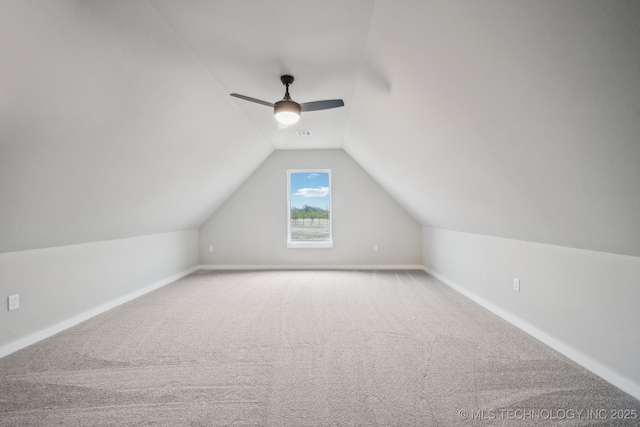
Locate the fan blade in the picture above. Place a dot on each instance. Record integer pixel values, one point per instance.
(322, 105)
(257, 101)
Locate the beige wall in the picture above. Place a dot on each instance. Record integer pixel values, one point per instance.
(250, 229)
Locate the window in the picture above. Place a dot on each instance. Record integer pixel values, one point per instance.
(309, 208)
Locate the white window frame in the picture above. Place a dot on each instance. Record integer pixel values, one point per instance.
(308, 244)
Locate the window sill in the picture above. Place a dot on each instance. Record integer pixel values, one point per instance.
(309, 245)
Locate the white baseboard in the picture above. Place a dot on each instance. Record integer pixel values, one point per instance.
(66, 324)
(311, 267)
(580, 358)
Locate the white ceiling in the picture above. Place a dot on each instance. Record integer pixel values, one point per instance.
(518, 119)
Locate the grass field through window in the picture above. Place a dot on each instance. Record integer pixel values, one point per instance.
(308, 229)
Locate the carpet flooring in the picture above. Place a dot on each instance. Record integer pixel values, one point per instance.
(302, 348)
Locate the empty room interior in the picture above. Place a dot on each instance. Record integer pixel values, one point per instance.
(320, 213)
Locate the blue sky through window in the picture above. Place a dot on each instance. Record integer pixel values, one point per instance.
(310, 188)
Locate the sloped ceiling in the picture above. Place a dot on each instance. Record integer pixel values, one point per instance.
(512, 119)
(518, 119)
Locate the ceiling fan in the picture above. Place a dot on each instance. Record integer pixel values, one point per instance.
(287, 111)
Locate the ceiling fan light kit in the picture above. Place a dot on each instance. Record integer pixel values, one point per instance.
(287, 111)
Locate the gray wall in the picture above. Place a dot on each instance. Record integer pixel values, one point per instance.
(589, 301)
(60, 283)
(251, 227)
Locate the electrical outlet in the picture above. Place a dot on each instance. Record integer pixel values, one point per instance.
(210, 248)
(516, 284)
(375, 248)
(13, 302)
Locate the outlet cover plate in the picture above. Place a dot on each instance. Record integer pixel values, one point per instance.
(13, 302)
(516, 284)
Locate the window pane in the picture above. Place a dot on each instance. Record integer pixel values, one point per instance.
(309, 206)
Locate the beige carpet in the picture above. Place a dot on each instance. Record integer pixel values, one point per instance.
(301, 348)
